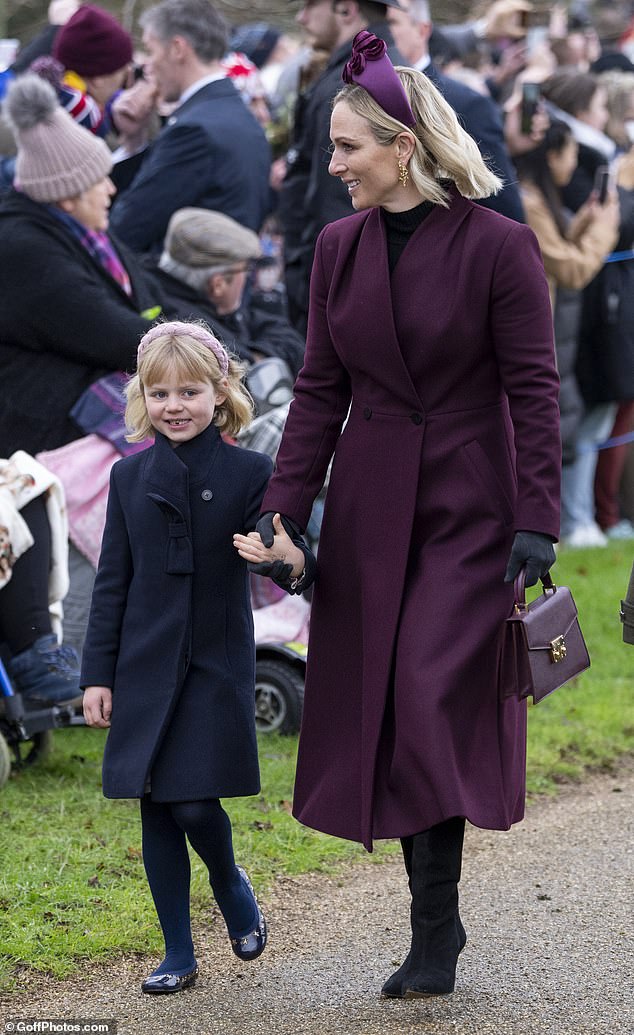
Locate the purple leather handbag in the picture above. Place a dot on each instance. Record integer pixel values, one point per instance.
(544, 646)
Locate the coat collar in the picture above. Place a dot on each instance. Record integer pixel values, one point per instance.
(173, 469)
(219, 88)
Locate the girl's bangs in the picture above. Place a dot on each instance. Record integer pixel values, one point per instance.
(186, 358)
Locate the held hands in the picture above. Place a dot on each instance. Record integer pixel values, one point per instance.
(533, 550)
(98, 706)
(280, 559)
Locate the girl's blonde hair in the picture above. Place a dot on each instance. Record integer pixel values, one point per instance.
(443, 149)
(187, 357)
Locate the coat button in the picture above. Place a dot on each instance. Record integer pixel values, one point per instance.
(416, 418)
(206, 494)
(367, 413)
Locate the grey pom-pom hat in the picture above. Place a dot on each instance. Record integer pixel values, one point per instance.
(57, 158)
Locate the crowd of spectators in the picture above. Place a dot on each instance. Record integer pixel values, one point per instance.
(180, 171)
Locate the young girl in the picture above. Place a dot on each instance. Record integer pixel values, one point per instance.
(169, 657)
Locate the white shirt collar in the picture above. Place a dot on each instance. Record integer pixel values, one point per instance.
(198, 85)
(422, 64)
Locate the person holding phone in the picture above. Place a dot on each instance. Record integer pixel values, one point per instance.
(573, 250)
(606, 345)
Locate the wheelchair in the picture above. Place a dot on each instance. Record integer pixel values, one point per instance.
(26, 733)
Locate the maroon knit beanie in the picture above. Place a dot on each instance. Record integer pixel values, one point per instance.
(92, 43)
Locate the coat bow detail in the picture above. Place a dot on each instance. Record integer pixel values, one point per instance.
(180, 553)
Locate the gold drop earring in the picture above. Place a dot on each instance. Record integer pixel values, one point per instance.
(403, 173)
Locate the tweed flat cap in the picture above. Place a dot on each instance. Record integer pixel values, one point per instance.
(198, 237)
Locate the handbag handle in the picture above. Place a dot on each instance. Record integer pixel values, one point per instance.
(519, 588)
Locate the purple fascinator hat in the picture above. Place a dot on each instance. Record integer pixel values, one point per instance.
(370, 67)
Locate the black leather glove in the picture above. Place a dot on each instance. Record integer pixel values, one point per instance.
(535, 551)
(278, 570)
(267, 532)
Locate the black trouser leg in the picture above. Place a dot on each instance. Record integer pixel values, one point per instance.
(24, 614)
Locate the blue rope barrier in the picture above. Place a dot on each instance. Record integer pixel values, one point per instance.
(620, 256)
(610, 443)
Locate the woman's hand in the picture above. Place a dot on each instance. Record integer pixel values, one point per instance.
(591, 211)
(283, 554)
(98, 706)
(533, 551)
(519, 143)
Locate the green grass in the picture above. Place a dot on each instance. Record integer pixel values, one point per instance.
(72, 886)
(589, 722)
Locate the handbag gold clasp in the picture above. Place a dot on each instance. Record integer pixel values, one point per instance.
(558, 649)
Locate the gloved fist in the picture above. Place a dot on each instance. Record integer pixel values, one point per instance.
(535, 552)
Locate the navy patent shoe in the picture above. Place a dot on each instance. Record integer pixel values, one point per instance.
(252, 944)
(165, 984)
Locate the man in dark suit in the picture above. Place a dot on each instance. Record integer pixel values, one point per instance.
(211, 153)
(411, 27)
(310, 198)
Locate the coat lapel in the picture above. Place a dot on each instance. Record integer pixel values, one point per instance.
(362, 307)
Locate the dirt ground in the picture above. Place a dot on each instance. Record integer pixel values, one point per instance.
(548, 912)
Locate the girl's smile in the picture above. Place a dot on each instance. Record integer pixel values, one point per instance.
(181, 410)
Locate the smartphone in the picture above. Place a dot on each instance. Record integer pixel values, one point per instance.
(530, 100)
(602, 183)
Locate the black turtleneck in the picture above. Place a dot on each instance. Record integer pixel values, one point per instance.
(400, 226)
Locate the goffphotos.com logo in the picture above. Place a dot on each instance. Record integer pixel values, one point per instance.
(18, 1026)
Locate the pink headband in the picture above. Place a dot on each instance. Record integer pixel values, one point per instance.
(192, 330)
(371, 68)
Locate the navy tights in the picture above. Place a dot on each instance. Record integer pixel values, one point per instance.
(166, 828)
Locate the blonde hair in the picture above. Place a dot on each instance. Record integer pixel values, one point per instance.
(443, 149)
(187, 357)
(619, 87)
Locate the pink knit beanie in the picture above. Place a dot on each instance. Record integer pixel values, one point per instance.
(57, 158)
(92, 43)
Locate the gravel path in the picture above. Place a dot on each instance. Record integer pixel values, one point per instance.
(548, 911)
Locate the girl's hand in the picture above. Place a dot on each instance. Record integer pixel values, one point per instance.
(98, 706)
(252, 549)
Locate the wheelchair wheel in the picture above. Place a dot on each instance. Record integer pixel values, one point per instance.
(5, 761)
(279, 697)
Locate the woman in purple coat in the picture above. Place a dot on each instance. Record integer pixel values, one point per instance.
(430, 337)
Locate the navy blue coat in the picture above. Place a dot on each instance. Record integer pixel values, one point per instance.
(211, 153)
(171, 627)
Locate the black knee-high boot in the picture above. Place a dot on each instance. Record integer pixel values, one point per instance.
(433, 861)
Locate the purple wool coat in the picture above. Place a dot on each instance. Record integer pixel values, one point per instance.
(451, 445)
